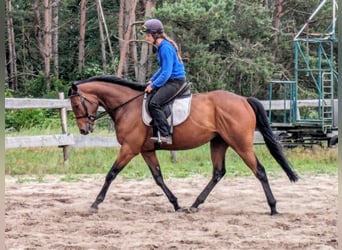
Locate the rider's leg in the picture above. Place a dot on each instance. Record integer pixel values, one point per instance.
(158, 99)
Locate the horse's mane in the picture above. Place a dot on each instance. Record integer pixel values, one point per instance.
(114, 80)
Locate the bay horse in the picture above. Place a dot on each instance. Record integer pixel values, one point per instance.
(222, 118)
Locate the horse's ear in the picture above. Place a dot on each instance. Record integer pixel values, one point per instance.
(72, 89)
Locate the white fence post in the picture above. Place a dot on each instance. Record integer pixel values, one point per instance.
(63, 113)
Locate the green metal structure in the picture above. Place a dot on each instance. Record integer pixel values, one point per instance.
(308, 101)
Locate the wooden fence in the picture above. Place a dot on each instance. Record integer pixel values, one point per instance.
(64, 140)
(63, 105)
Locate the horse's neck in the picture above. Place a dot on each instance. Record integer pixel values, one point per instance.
(117, 100)
(111, 96)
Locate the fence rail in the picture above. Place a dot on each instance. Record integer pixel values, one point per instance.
(36, 103)
(60, 140)
(65, 139)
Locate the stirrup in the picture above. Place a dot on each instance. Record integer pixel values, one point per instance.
(162, 139)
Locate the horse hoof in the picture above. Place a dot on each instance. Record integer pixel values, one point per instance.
(192, 210)
(181, 210)
(94, 207)
(273, 213)
(91, 211)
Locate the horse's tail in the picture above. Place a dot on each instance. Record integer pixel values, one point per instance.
(272, 144)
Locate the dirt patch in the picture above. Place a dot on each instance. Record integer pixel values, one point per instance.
(137, 215)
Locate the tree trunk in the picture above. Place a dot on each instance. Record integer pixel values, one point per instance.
(81, 44)
(12, 55)
(145, 48)
(277, 13)
(134, 52)
(127, 36)
(47, 43)
(55, 6)
(102, 38)
(124, 42)
(121, 24)
(107, 37)
(37, 27)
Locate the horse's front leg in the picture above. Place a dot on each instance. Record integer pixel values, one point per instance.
(152, 162)
(113, 172)
(124, 157)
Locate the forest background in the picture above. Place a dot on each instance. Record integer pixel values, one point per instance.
(236, 45)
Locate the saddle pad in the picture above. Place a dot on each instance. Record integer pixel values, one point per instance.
(180, 111)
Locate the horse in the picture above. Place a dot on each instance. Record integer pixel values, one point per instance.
(220, 117)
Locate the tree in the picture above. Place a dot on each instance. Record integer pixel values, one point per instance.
(47, 49)
(81, 44)
(102, 37)
(203, 32)
(225, 44)
(143, 67)
(12, 56)
(126, 23)
(43, 36)
(55, 36)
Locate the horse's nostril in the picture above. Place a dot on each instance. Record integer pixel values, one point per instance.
(83, 132)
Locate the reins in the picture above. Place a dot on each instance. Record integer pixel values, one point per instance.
(93, 118)
(103, 113)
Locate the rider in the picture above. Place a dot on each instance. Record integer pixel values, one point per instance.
(168, 79)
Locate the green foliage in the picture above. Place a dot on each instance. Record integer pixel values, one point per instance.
(30, 118)
(252, 21)
(8, 92)
(225, 43)
(36, 88)
(91, 69)
(202, 30)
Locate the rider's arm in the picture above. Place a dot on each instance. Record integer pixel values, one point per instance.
(165, 70)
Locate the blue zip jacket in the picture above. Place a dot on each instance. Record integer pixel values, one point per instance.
(170, 66)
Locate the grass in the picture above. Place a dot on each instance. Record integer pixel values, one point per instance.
(38, 162)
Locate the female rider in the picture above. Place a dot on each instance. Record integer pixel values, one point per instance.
(168, 79)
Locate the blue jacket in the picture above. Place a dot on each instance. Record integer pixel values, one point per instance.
(170, 66)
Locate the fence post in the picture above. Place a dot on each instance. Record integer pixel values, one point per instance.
(173, 156)
(63, 113)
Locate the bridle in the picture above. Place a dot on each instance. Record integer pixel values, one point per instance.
(92, 118)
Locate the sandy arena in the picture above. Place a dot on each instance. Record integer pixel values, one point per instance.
(137, 215)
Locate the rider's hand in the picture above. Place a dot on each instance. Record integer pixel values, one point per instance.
(148, 88)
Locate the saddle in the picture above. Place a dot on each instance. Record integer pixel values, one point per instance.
(176, 109)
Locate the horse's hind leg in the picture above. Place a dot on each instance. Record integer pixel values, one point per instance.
(152, 162)
(258, 169)
(262, 177)
(218, 149)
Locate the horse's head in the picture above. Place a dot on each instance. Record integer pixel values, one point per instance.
(84, 107)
